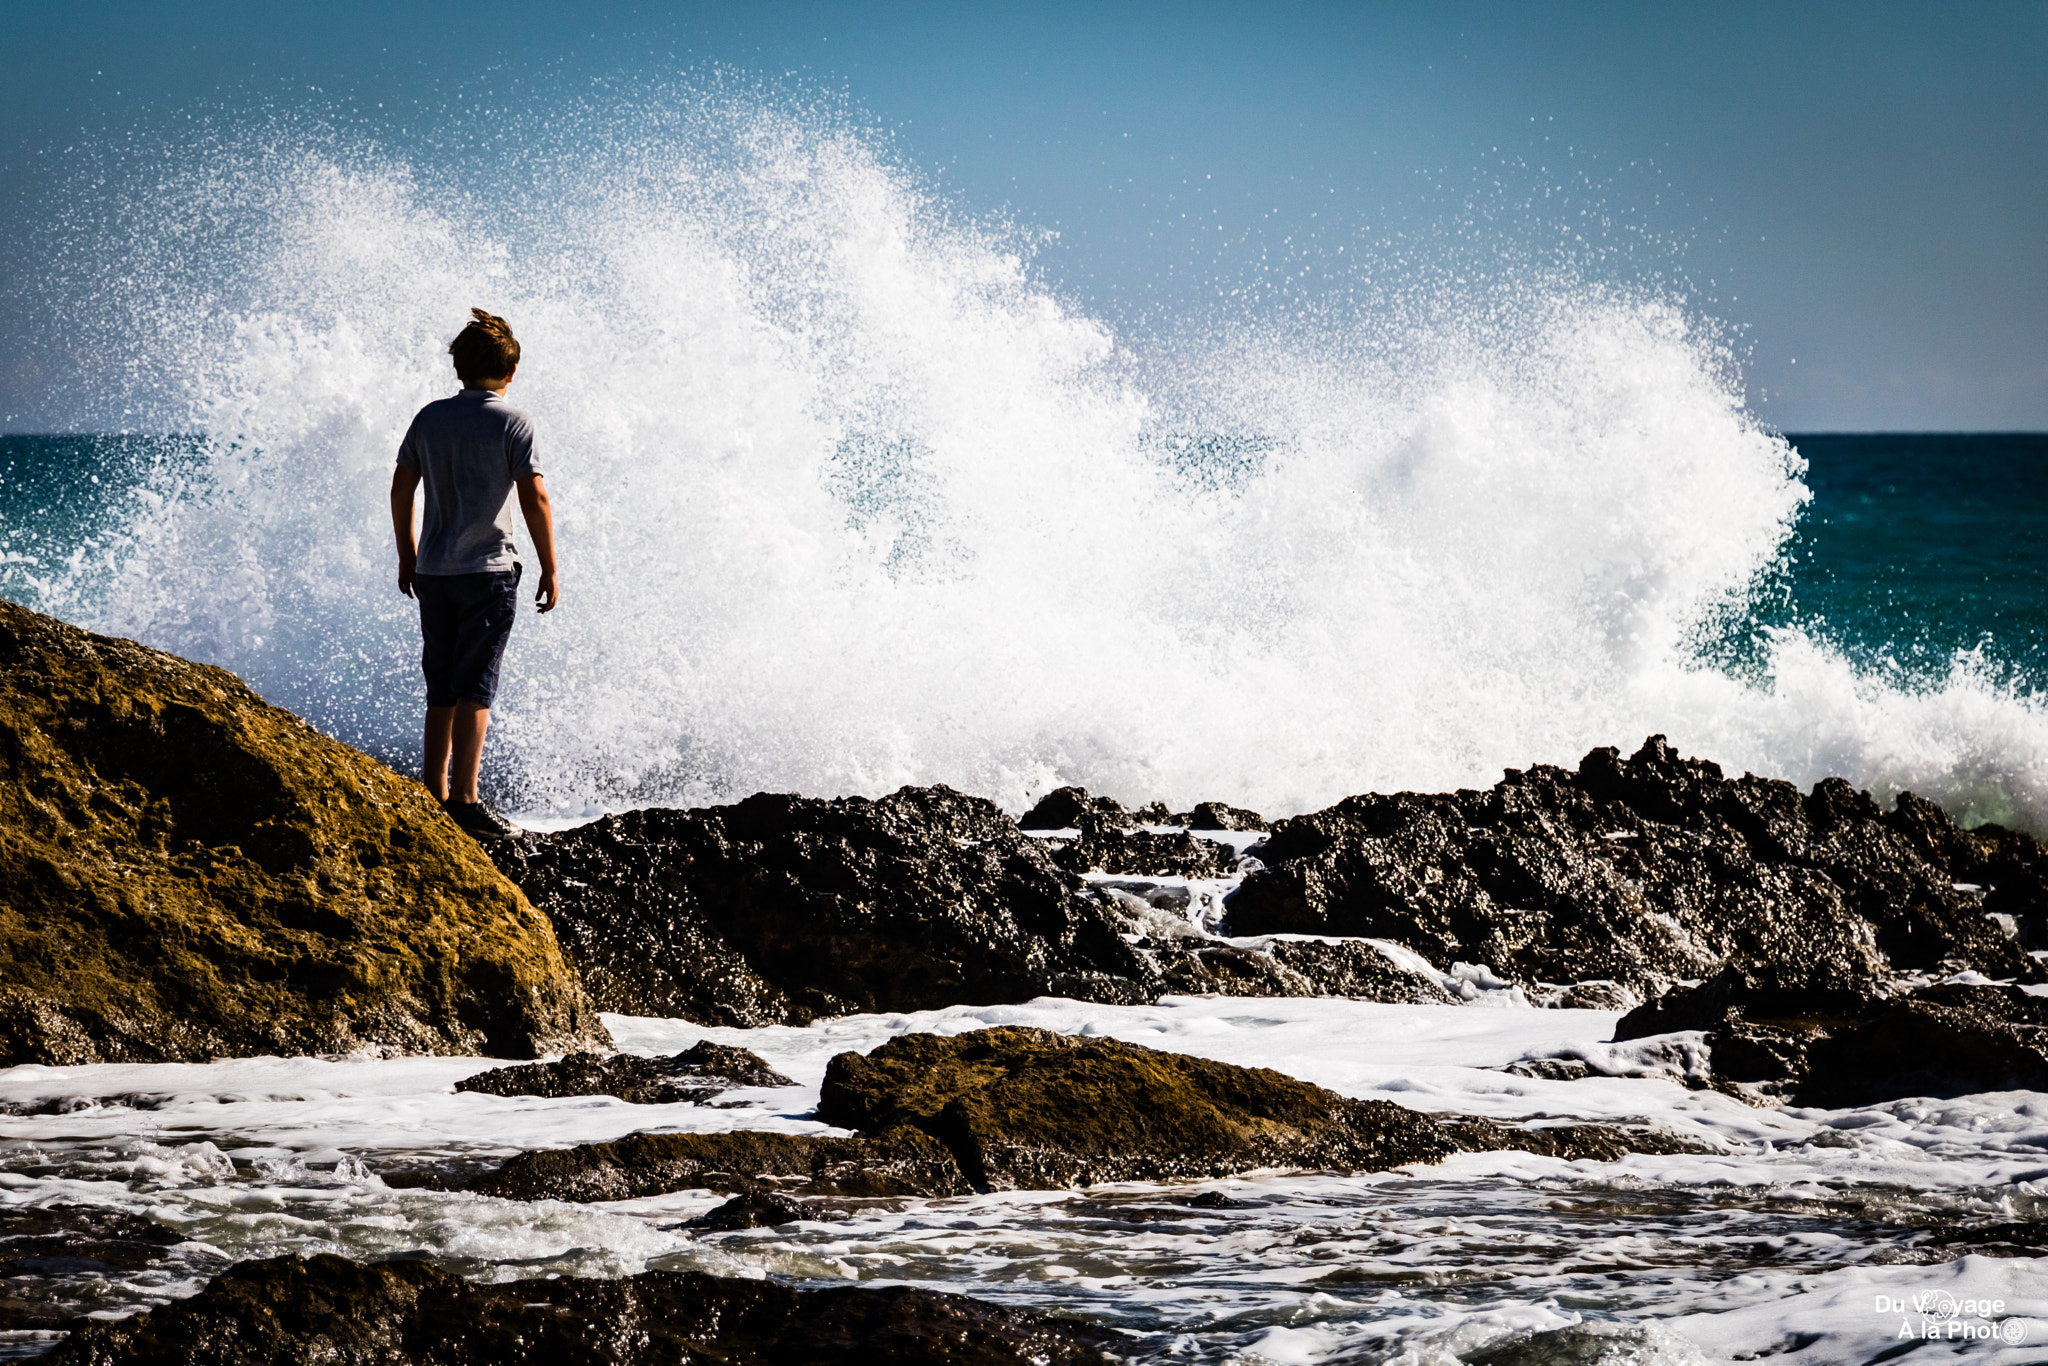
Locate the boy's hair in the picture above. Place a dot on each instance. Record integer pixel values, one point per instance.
(486, 349)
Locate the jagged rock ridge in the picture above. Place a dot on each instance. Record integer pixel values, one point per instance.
(1653, 870)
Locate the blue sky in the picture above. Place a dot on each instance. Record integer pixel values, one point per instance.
(1862, 189)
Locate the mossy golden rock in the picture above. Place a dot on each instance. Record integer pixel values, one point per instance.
(187, 872)
(1029, 1109)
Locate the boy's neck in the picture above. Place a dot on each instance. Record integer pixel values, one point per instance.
(486, 386)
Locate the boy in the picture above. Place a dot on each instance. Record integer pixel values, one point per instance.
(471, 451)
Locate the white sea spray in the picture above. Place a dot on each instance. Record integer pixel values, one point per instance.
(850, 498)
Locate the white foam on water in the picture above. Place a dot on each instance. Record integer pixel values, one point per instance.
(1755, 1244)
(848, 497)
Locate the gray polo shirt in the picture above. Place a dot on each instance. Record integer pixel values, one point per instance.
(468, 449)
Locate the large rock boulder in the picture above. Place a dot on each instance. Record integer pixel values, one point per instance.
(1034, 1110)
(330, 1309)
(1787, 1034)
(780, 909)
(1651, 870)
(187, 872)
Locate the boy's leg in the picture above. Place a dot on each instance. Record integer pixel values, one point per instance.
(440, 626)
(488, 604)
(469, 722)
(439, 741)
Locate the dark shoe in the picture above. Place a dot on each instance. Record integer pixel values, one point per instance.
(480, 821)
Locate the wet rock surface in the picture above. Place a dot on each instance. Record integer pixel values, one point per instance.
(1028, 1109)
(754, 1209)
(1032, 1110)
(780, 909)
(897, 1162)
(1652, 870)
(1567, 1142)
(53, 1257)
(329, 1309)
(1812, 1039)
(697, 1074)
(189, 873)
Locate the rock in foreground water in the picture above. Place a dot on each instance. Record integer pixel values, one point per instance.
(1033, 1110)
(1651, 870)
(1028, 1109)
(187, 872)
(695, 1075)
(329, 1309)
(1786, 1034)
(902, 1162)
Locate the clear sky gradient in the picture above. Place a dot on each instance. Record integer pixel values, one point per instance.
(1861, 188)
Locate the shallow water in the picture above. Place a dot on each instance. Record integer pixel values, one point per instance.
(1786, 1231)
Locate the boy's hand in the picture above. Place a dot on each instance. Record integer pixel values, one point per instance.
(540, 524)
(407, 568)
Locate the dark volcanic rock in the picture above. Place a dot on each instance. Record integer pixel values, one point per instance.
(1064, 808)
(1822, 1042)
(1647, 871)
(1105, 849)
(1071, 808)
(1306, 967)
(329, 1309)
(779, 909)
(752, 1209)
(898, 1162)
(1033, 1110)
(695, 1075)
(1217, 816)
(187, 872)
(1571, 1142)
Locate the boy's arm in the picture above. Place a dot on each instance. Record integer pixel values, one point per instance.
(404, 480)
(540, 524)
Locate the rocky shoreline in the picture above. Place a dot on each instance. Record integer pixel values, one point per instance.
(192, 874)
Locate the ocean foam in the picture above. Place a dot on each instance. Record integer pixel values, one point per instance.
(848, 498)
(1773, 1239)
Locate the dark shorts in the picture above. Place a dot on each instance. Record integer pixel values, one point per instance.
(465, 620)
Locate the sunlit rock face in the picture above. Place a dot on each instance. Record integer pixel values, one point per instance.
(189, 873)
